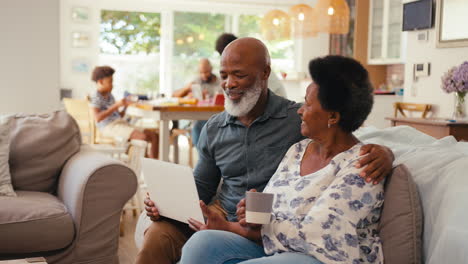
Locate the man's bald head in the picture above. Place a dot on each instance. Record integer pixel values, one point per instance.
(205, 68)
(249, 48)
(205, 64)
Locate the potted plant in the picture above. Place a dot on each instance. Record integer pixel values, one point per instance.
(455, 80)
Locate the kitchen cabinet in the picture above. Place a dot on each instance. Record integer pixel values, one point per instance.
(386, 38)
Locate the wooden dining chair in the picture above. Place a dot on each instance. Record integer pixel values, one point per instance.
(175, 133)
(136, 153)
(401, 107)
(79, 110)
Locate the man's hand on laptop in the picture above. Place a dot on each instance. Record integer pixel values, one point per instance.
(151, 210)
(213, 220)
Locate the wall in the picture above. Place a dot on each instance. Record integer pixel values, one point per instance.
(79, 82)
(427, 89)
(306, 50)
(383, 107)
(29, 64)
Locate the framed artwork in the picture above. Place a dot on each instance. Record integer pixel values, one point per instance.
(80, 39)
(80, 65)
(80, 14)
(450, 23)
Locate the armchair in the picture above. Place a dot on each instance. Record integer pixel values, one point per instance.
(69, 199)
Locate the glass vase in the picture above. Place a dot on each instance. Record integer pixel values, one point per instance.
(459, 111)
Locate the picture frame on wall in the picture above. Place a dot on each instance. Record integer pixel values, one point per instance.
(80, 65)
(450, 27)
(80, 39)
(80, 14)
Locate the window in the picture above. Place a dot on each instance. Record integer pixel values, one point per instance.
(194, 38)
(129, 42)
(281, 51)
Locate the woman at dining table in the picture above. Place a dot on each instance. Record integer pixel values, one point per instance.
(323, 211)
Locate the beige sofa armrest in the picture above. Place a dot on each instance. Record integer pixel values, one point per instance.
(94, 188)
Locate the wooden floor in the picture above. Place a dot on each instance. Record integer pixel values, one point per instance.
(127, 247)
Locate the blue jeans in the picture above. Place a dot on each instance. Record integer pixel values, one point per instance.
(221, 247)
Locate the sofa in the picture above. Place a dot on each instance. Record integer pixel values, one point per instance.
(436, 230)
(439, 169)
(69, 199)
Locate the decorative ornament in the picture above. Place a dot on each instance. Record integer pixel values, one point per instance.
(302, 21)
(275, 25)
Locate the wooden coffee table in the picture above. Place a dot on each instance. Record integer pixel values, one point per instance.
(25, 261)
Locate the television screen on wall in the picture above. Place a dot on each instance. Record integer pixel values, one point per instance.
(417, 15)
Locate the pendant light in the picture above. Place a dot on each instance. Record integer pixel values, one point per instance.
(276, 24)
(331, 16)
(302, 21)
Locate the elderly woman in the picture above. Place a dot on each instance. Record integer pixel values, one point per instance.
(324, 212)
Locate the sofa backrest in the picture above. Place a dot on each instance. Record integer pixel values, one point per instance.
(39, 147)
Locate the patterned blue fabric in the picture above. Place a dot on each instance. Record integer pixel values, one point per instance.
(331, 214)
(103, 103)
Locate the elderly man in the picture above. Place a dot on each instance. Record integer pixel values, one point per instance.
(243, 146)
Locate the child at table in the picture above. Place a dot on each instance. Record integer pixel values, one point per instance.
(108, 115)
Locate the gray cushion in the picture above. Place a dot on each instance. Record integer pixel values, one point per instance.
(401, 222)
(5, 179)
(39, 147)
(34, 222)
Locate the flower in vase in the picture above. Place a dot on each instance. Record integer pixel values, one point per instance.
(448, 83)
(460, 77)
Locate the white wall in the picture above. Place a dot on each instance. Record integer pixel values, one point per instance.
(383, 107)
(306, 50)
(29, 56)
(427, 89)
(79, 82)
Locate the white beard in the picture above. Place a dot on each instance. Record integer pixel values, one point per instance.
(246, 103)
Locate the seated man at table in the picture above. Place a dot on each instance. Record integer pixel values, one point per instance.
(243, 146)
(205, 86)
(108, 116)
(206, 83)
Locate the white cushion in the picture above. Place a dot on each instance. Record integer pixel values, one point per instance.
(6, 189)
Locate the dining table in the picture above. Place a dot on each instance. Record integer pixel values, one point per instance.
(164, 114)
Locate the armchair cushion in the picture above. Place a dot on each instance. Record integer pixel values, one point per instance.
(34, 222)
(401, 222)
(39, 147)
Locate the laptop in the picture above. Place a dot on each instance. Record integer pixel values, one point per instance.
(172, 188)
